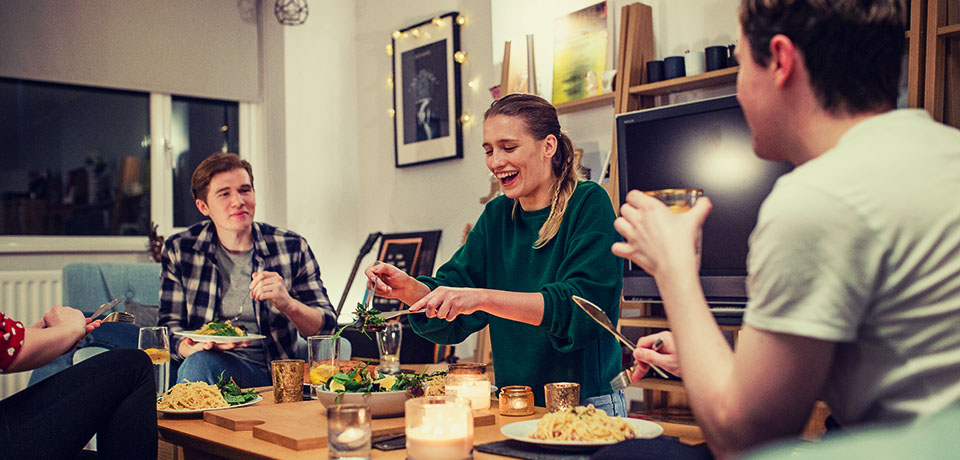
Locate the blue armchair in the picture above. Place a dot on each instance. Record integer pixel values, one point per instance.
(87, 286)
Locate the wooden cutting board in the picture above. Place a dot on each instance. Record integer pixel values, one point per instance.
(303, 425)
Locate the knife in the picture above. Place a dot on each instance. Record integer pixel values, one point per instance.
(601, 318)
(105, 307)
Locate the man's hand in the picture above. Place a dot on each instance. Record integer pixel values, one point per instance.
(657, 239)
(270, 286)
(188, 346)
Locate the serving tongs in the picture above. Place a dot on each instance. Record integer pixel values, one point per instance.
(601, 318)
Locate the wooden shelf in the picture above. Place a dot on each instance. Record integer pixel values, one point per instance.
(705, 80)
(950, 32)
(586, 103)
(661, 323)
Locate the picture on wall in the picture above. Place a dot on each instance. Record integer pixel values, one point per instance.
(426, 92)
(580, 46)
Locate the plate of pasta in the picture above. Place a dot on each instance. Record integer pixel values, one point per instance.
(220, 332)
(199, 397)
(580, 427)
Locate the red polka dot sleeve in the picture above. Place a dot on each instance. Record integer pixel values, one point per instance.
(11, 340)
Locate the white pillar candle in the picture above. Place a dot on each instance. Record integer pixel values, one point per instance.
(477, 391)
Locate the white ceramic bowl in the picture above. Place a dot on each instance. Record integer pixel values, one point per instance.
(384, 404)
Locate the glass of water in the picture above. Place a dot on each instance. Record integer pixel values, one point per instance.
(388, 341)
(348, 431)
(155, 342)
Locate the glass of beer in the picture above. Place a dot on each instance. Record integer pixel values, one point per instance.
(155, 342)
(681, 200)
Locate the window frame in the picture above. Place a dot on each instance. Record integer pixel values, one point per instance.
(161, 188)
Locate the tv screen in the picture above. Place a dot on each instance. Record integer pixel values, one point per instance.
(707, 145)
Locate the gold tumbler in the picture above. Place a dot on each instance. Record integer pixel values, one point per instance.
(561, 395)
(287, 380)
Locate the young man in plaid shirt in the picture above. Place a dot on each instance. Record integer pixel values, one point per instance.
(260, 277)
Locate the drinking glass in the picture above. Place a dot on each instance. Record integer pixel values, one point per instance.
(323, 355)
(348, 431)
(388, 341)
(155, 342)
(561, 395)
(287, 380)
(681, 200)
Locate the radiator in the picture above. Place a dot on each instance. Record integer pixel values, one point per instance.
(25, 296)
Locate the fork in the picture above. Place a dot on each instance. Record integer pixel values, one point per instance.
(622, 380)
(119, 317)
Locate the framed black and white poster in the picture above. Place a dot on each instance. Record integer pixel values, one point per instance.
(426, 92)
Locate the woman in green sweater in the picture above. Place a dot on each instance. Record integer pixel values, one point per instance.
(546, 240)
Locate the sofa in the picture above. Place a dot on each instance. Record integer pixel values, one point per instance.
(86, 286)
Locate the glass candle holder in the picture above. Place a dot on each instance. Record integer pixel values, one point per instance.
(348, 432)
(287, 380)
(469, 381)
(561, 395)
(438, 428)
(516, 400)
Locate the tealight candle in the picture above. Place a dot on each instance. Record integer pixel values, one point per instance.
(469, 381)
(516, 400)
(438, 428)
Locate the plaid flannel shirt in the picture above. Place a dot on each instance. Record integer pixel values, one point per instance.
(190, 287)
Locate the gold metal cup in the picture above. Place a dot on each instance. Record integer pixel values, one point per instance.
(561, 395)
(287, 380)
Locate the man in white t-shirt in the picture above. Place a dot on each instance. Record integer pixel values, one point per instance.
(854, 266)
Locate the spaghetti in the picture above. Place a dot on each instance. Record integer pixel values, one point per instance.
(192, 396)
(582, 424)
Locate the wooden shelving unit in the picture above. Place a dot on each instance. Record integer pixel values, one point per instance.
(586, 103)
(727, 76)
(940, 58)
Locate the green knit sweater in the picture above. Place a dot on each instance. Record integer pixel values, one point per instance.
(568, 346)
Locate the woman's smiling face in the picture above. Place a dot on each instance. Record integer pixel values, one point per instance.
(520, 162)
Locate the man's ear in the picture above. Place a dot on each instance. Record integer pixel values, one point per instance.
(203, 208)
(784, 59)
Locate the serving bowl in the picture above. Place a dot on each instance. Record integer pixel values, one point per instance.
(383, 404)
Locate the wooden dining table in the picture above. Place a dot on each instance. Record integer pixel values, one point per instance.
(201, 439)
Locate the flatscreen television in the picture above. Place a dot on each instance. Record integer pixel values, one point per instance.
(707, 145)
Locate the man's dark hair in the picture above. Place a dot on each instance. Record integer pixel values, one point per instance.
(852, 49)
(213, 165)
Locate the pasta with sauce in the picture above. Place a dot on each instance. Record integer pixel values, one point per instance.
(582, 424)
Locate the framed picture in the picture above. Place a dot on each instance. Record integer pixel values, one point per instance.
(414, 253)
(426, 92)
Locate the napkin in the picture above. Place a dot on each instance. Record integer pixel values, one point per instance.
(517, 449)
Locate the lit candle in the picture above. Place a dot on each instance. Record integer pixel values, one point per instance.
(477, 391)
(516, 400)
(469, 381)
(438, 428)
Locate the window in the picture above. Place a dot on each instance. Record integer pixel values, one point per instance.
(200, 127)
(76, 161)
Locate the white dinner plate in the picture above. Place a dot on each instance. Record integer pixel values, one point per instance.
(521, 431)
(200, 411)
(220, 338)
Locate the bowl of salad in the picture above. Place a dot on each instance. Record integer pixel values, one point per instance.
(384, 394)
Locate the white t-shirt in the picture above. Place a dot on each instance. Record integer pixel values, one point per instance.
(861, 246)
